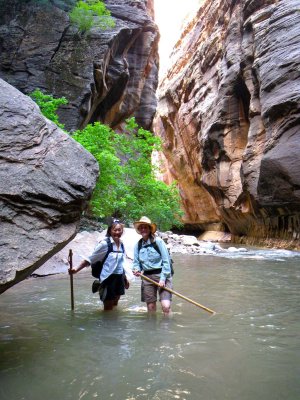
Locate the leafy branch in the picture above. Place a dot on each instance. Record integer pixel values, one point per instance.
(49, 105)
(91, 13)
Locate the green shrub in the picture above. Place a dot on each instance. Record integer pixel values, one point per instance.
(91, 13)
(48, 105)
(127, 187)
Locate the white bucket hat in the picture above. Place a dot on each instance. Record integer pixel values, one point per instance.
(145, 221)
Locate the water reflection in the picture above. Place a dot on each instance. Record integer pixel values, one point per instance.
(249, 350)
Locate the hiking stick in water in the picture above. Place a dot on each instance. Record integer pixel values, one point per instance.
(179, 295)
(70, 259)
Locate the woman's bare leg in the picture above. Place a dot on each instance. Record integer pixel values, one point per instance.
(116, 300)
(151, 307)
(166, 306)
(108, 305)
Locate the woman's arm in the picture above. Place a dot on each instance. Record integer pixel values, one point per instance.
(97, 255)
(165, 266)
(99, 252)
(82, 265)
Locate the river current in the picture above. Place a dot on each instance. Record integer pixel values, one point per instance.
(249, 350)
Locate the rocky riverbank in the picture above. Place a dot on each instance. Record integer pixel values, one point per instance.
(84, 242)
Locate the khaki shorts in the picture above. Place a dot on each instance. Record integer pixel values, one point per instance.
(149, 290)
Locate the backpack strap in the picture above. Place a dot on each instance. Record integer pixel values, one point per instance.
(155, 246)
(122, 247)
(152, 244)
(140, 243)
(109, 249)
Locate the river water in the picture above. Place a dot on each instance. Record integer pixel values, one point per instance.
(249, 350)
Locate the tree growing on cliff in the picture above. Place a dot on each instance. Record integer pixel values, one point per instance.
(127, 186)
(91, 13)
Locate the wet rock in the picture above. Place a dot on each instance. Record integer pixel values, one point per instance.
(188, 244)
(189, 241)
(234, 249)
(215, 236)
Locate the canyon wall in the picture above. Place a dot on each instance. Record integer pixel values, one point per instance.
(229, 116)
(106, 76)
(46, 178)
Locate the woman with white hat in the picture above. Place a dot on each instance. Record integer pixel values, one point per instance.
(151, 258)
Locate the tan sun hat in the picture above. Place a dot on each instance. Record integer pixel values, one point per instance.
(145, 221)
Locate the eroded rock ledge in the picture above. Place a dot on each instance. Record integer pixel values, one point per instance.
(46, 179)
(229, 116)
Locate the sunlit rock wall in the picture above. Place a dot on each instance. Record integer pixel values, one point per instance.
(46, 179)
(229, 115)
(107, 76)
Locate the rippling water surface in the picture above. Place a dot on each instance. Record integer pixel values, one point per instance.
(250, 350)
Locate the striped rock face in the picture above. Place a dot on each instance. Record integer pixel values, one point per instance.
(228, 114)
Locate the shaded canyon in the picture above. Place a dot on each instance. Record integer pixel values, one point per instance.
(227, 111)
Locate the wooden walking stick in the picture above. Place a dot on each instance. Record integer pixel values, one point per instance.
(179, 295)
(70, 259)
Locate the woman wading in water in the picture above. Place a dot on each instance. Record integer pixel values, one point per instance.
(152, 263)
(112, 279)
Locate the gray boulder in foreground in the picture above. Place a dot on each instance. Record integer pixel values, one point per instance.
(46, 179)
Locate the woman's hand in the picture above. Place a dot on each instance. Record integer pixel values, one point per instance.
(162, 283)
(82, 265)
(136, 272)
(126, 283)
(72, 271)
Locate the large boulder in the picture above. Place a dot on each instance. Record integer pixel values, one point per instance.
(46, 179)
(106, 76)
(229, 116)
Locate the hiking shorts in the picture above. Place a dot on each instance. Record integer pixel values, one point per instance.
(149, 290)
(115, 287)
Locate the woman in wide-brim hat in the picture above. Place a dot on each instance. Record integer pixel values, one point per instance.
(145, 221)
(151, 258)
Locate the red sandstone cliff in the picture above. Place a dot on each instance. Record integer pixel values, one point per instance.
(229, 117)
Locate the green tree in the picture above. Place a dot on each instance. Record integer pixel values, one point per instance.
(127, 187)
(91, 13)
(49, 105)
